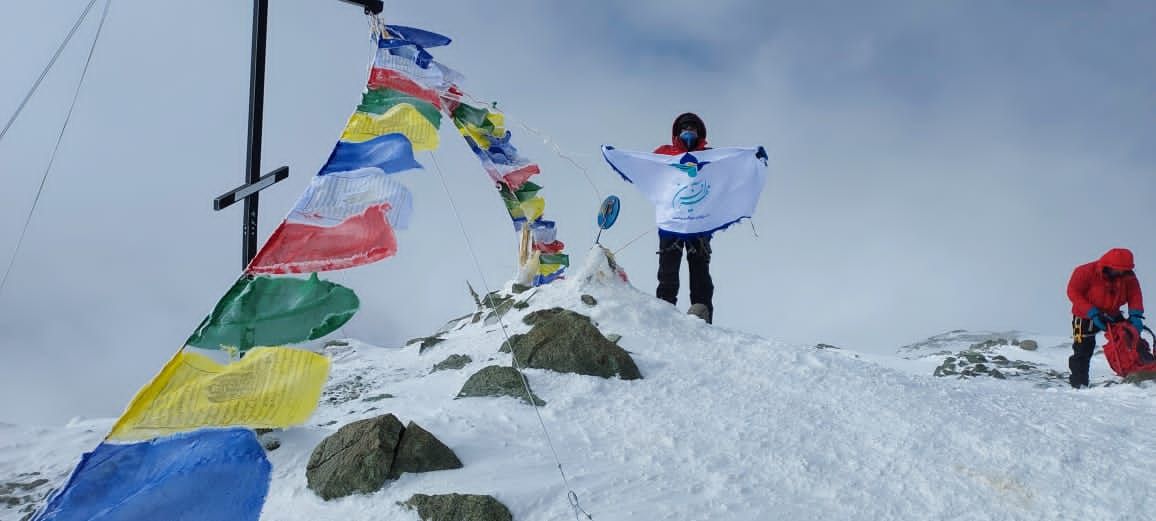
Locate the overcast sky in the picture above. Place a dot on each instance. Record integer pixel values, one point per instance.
(934, 165)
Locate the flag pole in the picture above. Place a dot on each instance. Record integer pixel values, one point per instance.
(254, 181)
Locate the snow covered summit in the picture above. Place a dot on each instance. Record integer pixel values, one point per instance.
(723, 425)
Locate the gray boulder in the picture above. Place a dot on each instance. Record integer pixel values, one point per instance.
(453, 362)
(355, 459)
(459, 507)
(541, 315)
(360, 458)
(420, 451)
(567, 342)
(496, 380)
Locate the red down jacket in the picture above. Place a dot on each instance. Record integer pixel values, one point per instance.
(1089, 287)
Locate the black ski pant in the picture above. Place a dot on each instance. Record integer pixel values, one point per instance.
(1083, 346)
(697, 259)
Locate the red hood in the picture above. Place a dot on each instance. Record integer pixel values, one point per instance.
(1117, 259)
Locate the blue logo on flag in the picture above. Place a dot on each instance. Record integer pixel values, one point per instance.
(693, 193)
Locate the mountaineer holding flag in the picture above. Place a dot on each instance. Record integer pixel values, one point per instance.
(696, 191)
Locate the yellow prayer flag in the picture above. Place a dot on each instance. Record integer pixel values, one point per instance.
(271, 387)
(479, 135)
(533, 208)
(402, 118)
(499, 121)
(547, 269)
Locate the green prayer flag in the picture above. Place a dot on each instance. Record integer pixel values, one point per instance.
(554, 258)
(508, 196)
(466, 115)
(272, 311)
(527, 191)
(378, 101)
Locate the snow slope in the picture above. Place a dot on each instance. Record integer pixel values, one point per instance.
(724, 426)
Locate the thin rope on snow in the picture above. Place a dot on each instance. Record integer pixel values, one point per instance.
(571, 496)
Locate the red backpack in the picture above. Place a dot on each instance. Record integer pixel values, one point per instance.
(1127, 352)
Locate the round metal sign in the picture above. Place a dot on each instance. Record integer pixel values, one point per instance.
(608, 213)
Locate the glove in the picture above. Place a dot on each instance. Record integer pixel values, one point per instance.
(1097, 318)
(1137, 319)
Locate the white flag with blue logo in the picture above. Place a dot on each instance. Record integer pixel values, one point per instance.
(698, 192)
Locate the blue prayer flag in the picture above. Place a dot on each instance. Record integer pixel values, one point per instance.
(391, 153)
(205, 475)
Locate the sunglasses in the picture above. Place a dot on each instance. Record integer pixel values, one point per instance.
(1114, 273)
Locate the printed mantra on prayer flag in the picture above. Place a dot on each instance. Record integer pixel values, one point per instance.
(271, 387)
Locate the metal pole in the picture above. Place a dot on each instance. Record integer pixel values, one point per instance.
(256, 113)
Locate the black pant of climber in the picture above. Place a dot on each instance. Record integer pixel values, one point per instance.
(697, 259)
(1083, 346)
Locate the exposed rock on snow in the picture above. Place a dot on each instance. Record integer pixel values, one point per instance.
(338, 392)
(23, 492)
(498, 381)
(567, 342)
(425, 342)
(1006, 355)
(362, 456)
(495, 304)
(458, 507)
(355, 459)
(541, 315)
(454, 361)
(420, 451)
(976, 362)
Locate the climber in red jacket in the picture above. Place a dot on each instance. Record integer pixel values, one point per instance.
(1097, 290)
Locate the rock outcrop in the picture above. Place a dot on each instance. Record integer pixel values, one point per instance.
(497, 380)
(459, 507)
(567, 342)
(360, 458)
